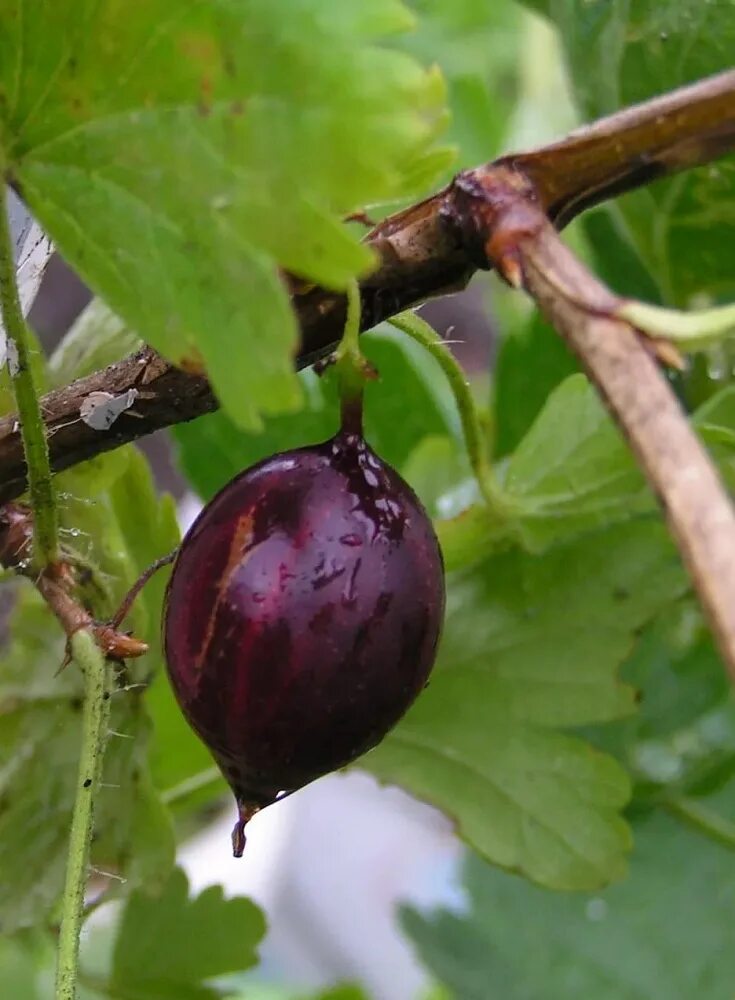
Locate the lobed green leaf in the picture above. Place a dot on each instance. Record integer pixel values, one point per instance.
(179, 153)
(111, 514)
(531, 362)
(620, 53)
(96, 339)
(171, 944)
(665, 932)
(531, 646)
(478, 48)
(573, 472)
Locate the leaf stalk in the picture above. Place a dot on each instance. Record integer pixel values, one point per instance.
(478, 449)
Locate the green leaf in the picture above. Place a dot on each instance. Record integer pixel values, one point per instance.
(621, 53)
(613, 256)
(343, 992)
(715, 422)
(682, 739)
(530, 364)
(573, 471)
(409, 400)
(177, 754)
(96, 339)
(39, 747)
(437, 469)
(542, 6)
(477, 46)
(129, 528)
(213, 449)
(665, 932)
(110, 511)
(169, 945)
(468, 536)
(179, 153)
(678, 671)
(531, 646)
(256, 990)
(111, 514)
(18, 970)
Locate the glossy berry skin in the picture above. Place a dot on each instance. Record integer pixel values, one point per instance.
(302, 616)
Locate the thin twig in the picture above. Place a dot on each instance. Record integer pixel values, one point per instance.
(124, 610)
(32, 428)
(418, 257)
(94, 732)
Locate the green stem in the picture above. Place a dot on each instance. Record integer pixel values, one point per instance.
(472, 429)
(94, 732)
(43, 501)
(703, 820)
(352, 368)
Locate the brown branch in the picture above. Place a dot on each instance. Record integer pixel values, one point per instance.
(521, 243)
(420, 252)
(677, 131)
(166, 395)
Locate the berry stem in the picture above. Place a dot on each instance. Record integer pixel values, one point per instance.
(474, 433)
(352, 368)
(245, 812)
(94, 729)
(32, 429)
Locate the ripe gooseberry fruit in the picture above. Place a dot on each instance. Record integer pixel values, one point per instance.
(302, 617)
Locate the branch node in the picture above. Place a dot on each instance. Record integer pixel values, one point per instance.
(56, 582)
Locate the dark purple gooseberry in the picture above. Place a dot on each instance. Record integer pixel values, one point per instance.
(302, 617)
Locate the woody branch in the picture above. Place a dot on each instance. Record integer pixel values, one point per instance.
(420, 254)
